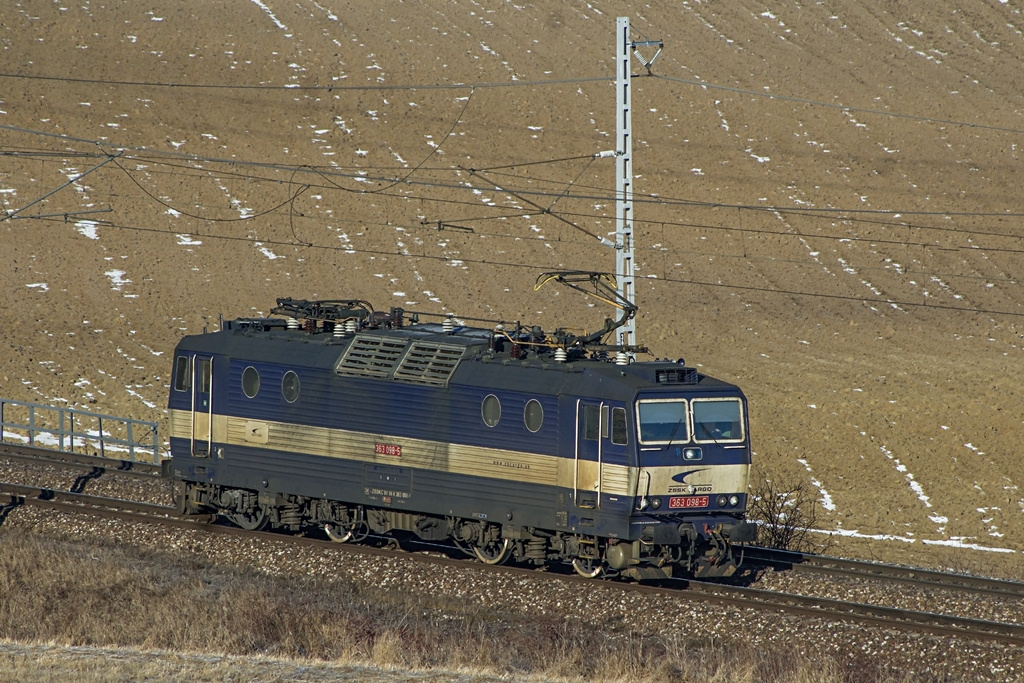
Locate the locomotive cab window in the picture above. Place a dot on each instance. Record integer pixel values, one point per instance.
(182, 373)
(717, 420)
(205, 373)
(620, 436)
(662, 421)
(591, 420)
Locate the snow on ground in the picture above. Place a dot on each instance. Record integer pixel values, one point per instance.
(266, 251)
(88, 228)
(269, 13)
(826, 498)
(953, 542)
(916, 487)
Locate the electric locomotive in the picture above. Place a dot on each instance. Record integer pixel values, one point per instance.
(504, 440)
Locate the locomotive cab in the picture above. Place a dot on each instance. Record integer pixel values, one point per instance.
(693, 461)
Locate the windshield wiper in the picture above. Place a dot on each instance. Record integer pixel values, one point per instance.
(674, 430)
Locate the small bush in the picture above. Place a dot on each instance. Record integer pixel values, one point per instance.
(787, 514)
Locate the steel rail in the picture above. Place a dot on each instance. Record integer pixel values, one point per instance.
(48, 456)
(821, 608)
(82, 501)
(786, 560)
(932, 622)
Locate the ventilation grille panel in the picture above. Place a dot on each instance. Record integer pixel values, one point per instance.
(420, 362)
(676, 376)
(370, 356)
(429, 363)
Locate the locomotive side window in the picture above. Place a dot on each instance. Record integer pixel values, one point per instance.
(619, 435)
(204, 374)
(533, 415)
(490, 410)
(662, 421)
(250, 381)
(289, 387)
(182, 373)
(717, 420)
(591, 428)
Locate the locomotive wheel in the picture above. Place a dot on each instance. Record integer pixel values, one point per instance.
(256, 520)
(494, 553)
(586, 567)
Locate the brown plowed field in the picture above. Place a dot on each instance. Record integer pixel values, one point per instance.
(853, 269)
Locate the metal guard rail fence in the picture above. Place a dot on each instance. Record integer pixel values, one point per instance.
(108, 436)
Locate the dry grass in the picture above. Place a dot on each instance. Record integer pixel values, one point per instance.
(73, 594)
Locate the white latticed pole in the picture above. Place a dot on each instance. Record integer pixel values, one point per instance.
(624, 176)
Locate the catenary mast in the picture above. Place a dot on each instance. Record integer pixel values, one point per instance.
(624, 263)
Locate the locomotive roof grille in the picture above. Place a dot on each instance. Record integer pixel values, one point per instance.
(370, 356)
(429, 363)
(676, 376)
(419, 362)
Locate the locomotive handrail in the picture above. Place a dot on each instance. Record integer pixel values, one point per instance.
(647, 491)
(600, 444)
(209, 422)
(47, 426)
(576, 458)
(192, 411)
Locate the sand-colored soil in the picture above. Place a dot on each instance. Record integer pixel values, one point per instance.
(854, 270)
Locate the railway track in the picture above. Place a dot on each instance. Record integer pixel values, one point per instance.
(14, 495)
(50, 457)
(785, 560)
(780, 560)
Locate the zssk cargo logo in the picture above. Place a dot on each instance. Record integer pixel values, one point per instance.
(689, 488)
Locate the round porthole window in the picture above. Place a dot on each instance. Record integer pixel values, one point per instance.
(250, 381)
(533, 414)
(491, 410)
(290, 387)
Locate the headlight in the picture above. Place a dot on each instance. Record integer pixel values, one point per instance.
(734, 500)
(722, 501)
(642, 505)
(655, 503)
(692, 454)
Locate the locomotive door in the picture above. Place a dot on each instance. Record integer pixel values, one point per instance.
(202, 406)
(601, 454)
(586, 469)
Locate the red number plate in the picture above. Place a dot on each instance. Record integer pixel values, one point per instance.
(387, 449)
(688, 502)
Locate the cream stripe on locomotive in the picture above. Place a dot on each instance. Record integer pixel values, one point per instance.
(679, 479)
(438, 456)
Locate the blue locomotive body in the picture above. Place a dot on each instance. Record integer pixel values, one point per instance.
(462, 434)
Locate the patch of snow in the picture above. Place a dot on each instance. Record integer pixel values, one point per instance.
(270, 14)
(88, 228)
(266, 252)
(826, 498)
(132, 392)
(117, 279)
